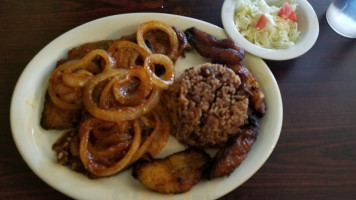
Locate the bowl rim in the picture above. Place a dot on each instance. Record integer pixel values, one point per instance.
(305, 43)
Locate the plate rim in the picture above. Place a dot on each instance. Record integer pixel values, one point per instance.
(26, 71)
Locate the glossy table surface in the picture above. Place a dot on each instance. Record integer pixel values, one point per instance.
(315, 157)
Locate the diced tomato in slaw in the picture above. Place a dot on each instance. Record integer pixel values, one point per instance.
(286, 12)
(261, 23)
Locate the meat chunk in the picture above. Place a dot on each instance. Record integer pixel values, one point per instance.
(158, 42)
(67, 151)
(206, 106)
(184, 45)
(174, 174)
(80, 51)
(57, 118)
(234, 152)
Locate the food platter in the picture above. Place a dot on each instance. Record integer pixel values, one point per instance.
(34, 143)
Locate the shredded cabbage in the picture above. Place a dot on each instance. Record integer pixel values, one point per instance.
(278, 32)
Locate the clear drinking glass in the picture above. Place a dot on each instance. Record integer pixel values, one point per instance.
(341, 16)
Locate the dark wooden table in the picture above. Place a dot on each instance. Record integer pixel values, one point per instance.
(315, 157)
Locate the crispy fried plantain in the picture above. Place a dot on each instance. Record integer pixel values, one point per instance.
(252, 87)
(174, 174)
(228, 158)
(224, 51)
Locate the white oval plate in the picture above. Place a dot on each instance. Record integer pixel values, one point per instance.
(308, 25)
(34, 143)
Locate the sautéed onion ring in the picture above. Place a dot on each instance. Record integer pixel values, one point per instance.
(67, 80)
(168, 65)
(158, 25)
(120, 113)
(99, 169)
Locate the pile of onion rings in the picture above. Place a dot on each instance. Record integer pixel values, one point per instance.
(120, 89)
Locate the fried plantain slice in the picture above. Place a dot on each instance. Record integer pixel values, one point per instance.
(174, 174)
(228, 158)
(255, 95)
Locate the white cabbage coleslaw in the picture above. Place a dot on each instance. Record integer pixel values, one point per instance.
(272, 26)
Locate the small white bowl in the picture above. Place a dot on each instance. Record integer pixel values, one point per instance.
(307, 24)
